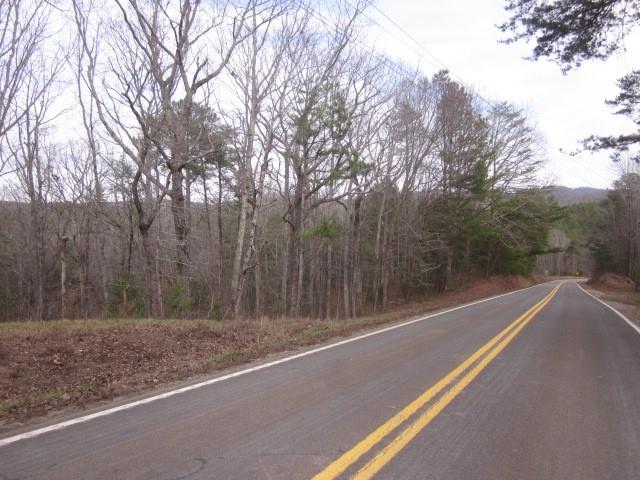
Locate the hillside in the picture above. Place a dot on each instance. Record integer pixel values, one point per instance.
(570, 196)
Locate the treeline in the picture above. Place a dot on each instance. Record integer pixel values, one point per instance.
(599, 237)
(221, 160)
(615, 238)
(578, 242)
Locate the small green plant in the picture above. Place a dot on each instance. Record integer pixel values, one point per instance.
(125, 297)
(215, 313)
(199, 296)
(325, 229)
(178, 301)
(222, 358)
(31, 400)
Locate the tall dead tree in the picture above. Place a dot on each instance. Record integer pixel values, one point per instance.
(258, 77)
(24, 27)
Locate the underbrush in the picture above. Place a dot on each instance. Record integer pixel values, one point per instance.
(615, 288)
(54, 365)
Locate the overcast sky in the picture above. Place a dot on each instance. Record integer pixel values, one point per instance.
(462, 35)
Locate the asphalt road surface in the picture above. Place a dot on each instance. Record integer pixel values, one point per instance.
(543, 383)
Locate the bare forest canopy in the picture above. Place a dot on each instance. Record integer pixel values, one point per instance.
(596, 231)
(208, 159)
(612, 228)
(571, 32)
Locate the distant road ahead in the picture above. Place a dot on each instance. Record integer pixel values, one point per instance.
(543, 383)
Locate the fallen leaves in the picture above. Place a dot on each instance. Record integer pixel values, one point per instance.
(59, 365)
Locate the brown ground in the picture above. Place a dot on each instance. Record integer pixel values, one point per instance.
(50, 366)
(614, 288)
(619, 292)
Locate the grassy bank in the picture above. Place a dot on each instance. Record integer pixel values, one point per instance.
(47, 367)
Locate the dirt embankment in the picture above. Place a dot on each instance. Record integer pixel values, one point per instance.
(613, 282)
(619, 292)
(52, 366)
(614, 288)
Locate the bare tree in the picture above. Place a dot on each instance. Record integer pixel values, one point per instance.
(23, 29)
(32, 156)
(313, 140)
(257, 75)
(254, 159)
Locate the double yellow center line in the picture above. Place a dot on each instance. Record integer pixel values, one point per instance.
(473, 365)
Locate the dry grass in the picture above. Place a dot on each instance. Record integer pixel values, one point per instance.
(614, 288)
(628, 298)
(49, 366)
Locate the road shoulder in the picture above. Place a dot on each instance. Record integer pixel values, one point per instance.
(60, 412)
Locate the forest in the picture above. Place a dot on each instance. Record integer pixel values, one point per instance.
(610, 229)
(210, 160)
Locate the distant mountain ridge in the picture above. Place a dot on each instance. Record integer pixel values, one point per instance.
(569, 196)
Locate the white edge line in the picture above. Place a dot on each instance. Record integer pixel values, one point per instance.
(622, 316)
(103, 413)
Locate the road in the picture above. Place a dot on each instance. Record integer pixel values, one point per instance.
(542, 383)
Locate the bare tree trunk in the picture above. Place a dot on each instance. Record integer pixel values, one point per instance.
(284, 281)
(449, 270)
(210, 245)
(221, 247)
(295, 268)
(145, 220)
(152, 279)
(236, 280)
(181, 224)
(379, 252)
(158, 280)
(187, 203)
(346, 300)
(385, 268)
(257, 276)
(327, 313)
(356, 274)
(298, 304)
(38, 235)
(284, 287)
(103, 274)
(62, 252)
(346, 290)
(311, 283)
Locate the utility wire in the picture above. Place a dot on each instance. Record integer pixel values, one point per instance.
(395, 66)
(576, 171)
(422, 49)
(410, 37)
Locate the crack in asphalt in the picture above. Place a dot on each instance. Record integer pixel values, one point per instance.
(201, 464)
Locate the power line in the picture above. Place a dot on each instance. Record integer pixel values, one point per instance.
(575, 172)
(420, 51)
(423, 50)
(403, 73)
(436, 62)
(415, 41)
(395, 66)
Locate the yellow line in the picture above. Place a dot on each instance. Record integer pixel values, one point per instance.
(398, 443)
(339, 465)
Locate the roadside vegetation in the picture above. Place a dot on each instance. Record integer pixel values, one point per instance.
(571, 33)
(259, 161)
(616, 288)
(50, 366)
(175, 200)
(599, 237)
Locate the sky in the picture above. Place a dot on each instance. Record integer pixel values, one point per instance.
(461, 36)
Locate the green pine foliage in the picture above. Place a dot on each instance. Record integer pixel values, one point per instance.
(125, 296)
